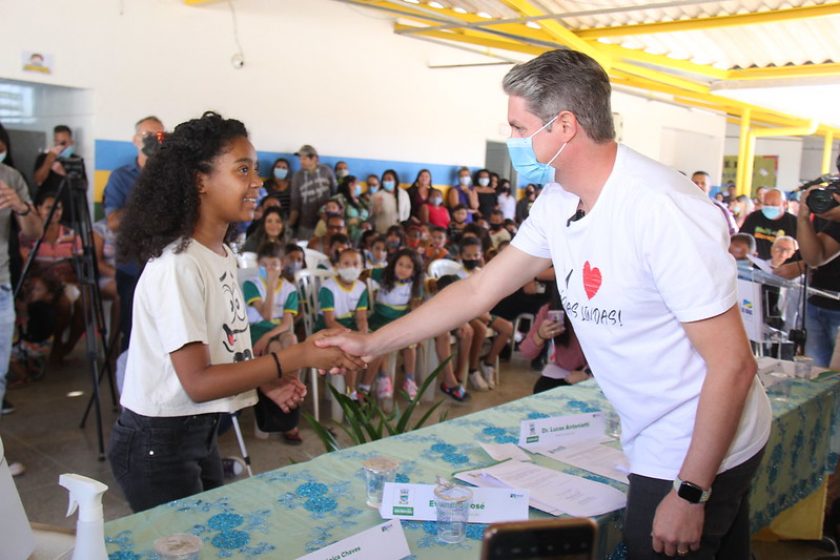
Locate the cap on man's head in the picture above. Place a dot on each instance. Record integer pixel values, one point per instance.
(306, 150)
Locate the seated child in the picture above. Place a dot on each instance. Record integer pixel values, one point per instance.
(484, 378)
(338, 243)
(394, 239)
(343, 301)
(377, 255)
(36, 323)
(436, 248)
(272, 302)
(458, 223)
(741, 245)
(434, 212)
(566, 364)
(451, 383)
(399, 289)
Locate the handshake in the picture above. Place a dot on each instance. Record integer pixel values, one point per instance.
(331, 351)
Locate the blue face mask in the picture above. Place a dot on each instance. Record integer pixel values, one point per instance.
(771, 212)
(525, 162)
(357, 191)
(372, 189)
(67, 152)
(280, 173)
(437, 201)
(389, 185)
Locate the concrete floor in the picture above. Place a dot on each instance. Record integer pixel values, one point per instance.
(44, 434)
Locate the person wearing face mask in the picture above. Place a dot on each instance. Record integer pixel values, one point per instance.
(770, 222)
(342, 170)
(391, 204)
(344, 302)
(642, 268)
(507, 200)
(463, 194)
(355, 209)
(279, 185)
(433, 212)
(523, 207)
(488, 198)
(498, 233)
(372, 186)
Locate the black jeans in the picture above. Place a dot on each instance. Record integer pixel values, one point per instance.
(126, 284)
(157, 460)
(545, 383)
(726, 529)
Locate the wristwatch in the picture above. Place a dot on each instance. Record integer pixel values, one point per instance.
(690, 492)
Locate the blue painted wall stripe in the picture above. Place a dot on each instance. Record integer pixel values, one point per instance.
(111, 154)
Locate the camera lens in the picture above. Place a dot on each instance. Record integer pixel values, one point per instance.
(820, 200)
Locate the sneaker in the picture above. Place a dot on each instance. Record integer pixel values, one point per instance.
(410, 387)
(489, 374)
(232, 467)
(457, 392)
(384, 388)
(8, 407)
(477, 381)
(17, 469)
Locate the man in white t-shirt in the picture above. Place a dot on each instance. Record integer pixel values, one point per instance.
(643, 270)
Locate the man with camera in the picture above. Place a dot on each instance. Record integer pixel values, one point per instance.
(819, 244)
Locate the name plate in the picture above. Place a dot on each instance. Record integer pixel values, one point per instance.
(562, 430)
(383, 542)
(417, 501)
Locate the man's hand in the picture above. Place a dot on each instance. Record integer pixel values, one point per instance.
(329, 354)
(287, 392)
(677, 526)
(9, 199)
(352, 343)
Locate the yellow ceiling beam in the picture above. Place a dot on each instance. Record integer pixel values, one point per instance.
(562, 35)
(660, 77)
(200, 2)
(695, 24)
(475, 38)
(781, 72)
(636, 55)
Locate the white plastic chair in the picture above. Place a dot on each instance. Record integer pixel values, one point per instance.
(443, 267)
(309, 281)
(315, 258)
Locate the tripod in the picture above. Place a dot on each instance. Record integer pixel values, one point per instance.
(87, 274)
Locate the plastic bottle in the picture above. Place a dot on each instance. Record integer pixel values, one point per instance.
(86, 495)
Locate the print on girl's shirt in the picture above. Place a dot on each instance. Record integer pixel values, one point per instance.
(238, 321)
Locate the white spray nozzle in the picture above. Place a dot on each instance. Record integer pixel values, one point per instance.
(85, 494)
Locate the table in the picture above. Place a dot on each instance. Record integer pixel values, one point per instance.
(301, 508)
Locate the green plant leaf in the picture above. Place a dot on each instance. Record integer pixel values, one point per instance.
(426, 416)
(402, 423)
(329, 440)
(350, 408)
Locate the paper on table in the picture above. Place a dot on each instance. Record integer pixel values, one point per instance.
(417, 501)
(558, 492)
(561, 430)
(505, 451)
(383, 542)
(762, 265)
(593, 457)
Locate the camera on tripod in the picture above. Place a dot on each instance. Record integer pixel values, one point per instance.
(74, 167)
(821, 200)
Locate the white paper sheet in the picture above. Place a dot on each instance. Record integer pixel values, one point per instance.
(505, 451)
(558, 493)
(593, 457)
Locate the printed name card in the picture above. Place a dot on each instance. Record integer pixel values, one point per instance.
(383, 542)
(562, 430)
(417, 501)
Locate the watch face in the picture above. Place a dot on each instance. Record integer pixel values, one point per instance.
(690, 492)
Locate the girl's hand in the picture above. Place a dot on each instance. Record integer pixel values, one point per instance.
(261, 345)
(549, 329)
(287, 393)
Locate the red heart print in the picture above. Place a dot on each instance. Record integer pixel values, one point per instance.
(591, 280)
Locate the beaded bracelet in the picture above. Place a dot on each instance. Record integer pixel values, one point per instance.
(277, 363)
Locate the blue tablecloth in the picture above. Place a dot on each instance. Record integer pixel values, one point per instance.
(301, 508)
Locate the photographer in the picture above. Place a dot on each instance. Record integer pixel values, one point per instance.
(819, 244)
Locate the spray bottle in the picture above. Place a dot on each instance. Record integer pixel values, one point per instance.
(86, 495)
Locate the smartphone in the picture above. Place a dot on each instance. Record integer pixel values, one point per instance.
(556, 315)
(543, 539)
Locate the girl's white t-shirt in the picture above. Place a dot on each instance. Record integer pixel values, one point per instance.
(649, 256)
(193, 296)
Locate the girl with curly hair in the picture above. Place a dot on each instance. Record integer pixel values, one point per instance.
(190, 327)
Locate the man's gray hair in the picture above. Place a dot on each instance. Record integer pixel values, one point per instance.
(565, 80)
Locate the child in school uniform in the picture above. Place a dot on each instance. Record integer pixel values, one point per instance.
(399, 289)
(343, 301)
(190, 359)
(272, 307)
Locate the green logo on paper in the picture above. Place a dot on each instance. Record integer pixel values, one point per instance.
(402, 510)
(532, 439)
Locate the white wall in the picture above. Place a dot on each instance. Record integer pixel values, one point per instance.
(316, 72)
(812, 151)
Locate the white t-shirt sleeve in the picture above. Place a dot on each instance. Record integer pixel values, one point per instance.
(180, 313)
(532, 236)
(698, 281)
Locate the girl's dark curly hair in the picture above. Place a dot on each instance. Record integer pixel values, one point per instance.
(164, 206)
(389, 273)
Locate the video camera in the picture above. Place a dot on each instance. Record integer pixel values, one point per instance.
(152, 142)
(821, 200)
